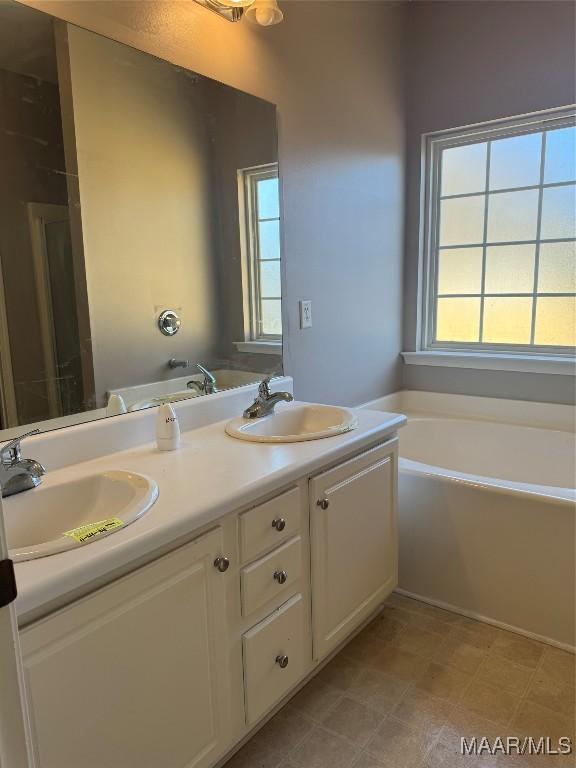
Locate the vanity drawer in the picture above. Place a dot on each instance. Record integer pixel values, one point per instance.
(273, 577)
(269, 524)
(274, 657)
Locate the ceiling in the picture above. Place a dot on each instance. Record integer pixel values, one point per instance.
(27, 41)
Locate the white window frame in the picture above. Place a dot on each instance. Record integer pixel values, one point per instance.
(475, 354)
(254, 341)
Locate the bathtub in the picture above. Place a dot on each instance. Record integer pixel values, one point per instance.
(487, 509)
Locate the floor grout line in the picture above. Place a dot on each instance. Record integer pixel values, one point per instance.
(525, 695)
(409, 618)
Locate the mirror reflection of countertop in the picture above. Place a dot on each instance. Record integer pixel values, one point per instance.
(210, 476)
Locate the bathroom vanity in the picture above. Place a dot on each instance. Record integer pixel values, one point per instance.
(218, 577)
(167, 642)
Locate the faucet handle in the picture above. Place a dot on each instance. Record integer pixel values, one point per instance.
(10, 453)
(264, 388)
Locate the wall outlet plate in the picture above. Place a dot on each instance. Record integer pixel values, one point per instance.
(305, 313)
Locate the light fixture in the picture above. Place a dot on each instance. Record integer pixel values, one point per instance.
(264, 12)
(231, 3)
(226, 8)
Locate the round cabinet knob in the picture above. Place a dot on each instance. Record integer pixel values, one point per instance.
(282, 661)
(323, 503)
(279, 523)
(281, 577)
(221, 564)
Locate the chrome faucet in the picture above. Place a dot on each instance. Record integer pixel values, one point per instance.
(18, 474)
(265, 401)
(173, 363)
(207, 386)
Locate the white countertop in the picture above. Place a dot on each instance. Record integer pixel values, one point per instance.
(210, 476)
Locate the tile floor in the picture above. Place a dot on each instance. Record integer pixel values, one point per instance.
(404, 691)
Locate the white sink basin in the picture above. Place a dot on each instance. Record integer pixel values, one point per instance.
(53, 518)
(294, 423)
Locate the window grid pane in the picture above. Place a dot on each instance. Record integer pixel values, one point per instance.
(268, 320)
(260, 229)
(515, 161)
(520, 213)
(538, 236)
(484, 236)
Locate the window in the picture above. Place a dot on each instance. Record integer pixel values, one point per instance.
(260, 202)
(501, 238)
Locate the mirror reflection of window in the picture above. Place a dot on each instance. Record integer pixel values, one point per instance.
(261, 233)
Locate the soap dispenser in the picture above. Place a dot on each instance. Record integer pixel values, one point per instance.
(167, 428)
(116, 406)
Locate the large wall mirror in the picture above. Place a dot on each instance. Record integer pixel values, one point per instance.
(139, 229)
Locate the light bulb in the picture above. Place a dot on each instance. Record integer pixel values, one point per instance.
(264, 12)
(265, 16)
(233, 3)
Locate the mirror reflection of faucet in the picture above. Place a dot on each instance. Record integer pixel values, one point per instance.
(207, 386)
(174, 363)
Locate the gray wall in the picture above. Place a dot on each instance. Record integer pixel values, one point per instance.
(335, 71)
(470, 62)
(243, 134)
(145, 181)
(157, 153)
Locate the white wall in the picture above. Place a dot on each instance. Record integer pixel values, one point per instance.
(469, 62)
(335, 71)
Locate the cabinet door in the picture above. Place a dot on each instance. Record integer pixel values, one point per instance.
(134, 676)
(354, 543)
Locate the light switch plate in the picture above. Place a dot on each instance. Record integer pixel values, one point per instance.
(305, 313)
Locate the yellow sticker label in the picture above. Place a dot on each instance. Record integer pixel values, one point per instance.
(88, 531)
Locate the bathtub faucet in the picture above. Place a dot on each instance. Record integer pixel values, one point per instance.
(208, 385)
(173, 363)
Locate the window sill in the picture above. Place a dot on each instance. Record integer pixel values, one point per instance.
(260, 347)
(493, 361)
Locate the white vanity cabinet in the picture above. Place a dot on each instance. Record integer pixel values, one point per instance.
(175, 663)
(353, 544)
(135, 675)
